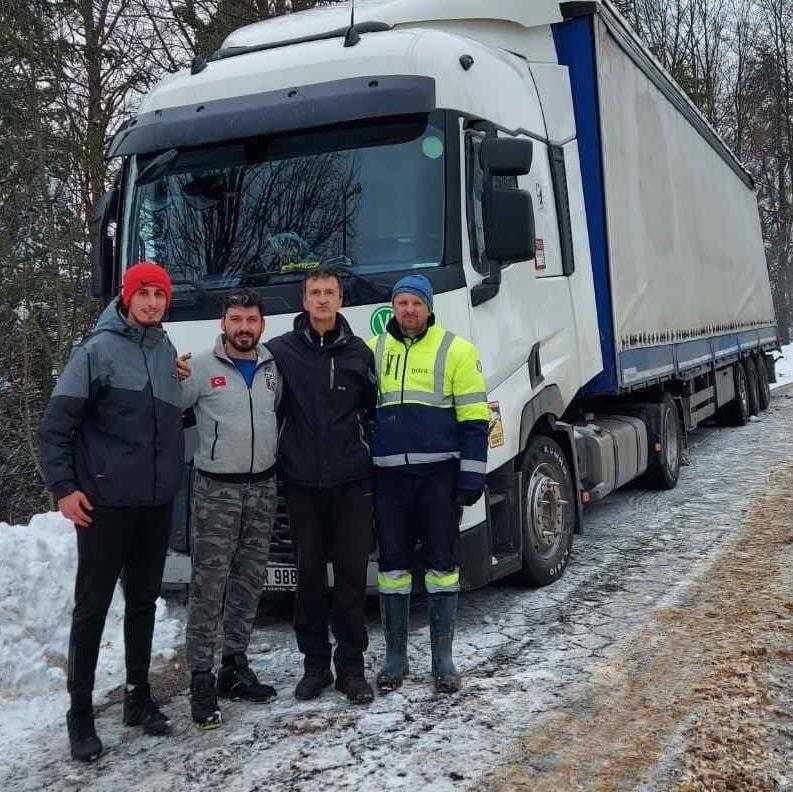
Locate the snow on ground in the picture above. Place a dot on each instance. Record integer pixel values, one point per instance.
(36, 599)
(784, 367)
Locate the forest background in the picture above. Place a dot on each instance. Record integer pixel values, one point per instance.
(73, 70)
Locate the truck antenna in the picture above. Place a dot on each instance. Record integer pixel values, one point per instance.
(352, 36)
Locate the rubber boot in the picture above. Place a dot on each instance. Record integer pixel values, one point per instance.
(394, 611)
(443, 608)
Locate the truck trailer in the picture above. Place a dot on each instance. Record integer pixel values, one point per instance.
(579, 219)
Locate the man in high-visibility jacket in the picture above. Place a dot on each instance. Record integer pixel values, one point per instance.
(430, 455)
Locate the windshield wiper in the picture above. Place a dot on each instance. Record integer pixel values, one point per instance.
(158, 167)
(344, 265)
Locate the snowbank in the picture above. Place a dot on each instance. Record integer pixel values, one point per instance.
(36, 599)
(784, 367)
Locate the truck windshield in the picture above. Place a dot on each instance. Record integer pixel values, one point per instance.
(368, 198)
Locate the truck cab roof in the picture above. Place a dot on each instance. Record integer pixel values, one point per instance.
(396, 13)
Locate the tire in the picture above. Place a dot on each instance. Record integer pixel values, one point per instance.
(663, 468)
(736, 412)
(752, 386)
(548, 510)
(764, 383)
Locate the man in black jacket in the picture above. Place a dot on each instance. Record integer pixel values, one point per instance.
(112, 450)
(330, 387)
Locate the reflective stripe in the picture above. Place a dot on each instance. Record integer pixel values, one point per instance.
(395, 460)
(441, 582)
(432, 399)
(471, 398)
(472, 466)
(398, 581)
(378, 355)
(440, 362)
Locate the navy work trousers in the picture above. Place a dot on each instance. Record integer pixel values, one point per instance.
(416, 503)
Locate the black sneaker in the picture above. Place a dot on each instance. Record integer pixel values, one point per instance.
(83, 742)
(310, 686)
(142, 709)
(356, 688)
(236, 681)
(204, 701)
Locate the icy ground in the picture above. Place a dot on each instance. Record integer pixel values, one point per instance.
(530, 657)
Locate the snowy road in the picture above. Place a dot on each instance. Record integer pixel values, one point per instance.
(595, 682)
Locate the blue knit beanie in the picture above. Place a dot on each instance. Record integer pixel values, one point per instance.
(414, 284)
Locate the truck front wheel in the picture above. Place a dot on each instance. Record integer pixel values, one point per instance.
(548, 511)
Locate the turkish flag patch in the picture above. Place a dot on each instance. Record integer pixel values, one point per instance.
(217, 382)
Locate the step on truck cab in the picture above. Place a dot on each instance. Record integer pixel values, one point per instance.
(579, 219)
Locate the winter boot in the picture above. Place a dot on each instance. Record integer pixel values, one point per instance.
(394, 611)
(443, 608)
(141, 709)
(355, 687)
(236, 681)
(84, 744)
(312, 683)
(204, 701)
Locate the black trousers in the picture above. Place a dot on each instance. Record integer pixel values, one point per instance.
(127, 541)
(331, 524)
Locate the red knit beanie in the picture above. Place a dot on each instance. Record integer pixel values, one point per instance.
(144, 273)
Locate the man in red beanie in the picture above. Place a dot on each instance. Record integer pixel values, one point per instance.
(112, 451)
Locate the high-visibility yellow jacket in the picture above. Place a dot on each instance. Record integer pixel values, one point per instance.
(432, 403)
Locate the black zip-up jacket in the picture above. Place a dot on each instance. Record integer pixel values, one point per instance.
(113, 427)
(330, 390)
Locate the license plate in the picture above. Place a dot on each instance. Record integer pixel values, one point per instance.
(280, 578)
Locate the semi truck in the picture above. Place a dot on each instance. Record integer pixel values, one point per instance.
(579, 219)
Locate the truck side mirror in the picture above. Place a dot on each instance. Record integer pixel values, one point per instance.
(507, 214)
(509, 225)
(506, 156)
(102, 254)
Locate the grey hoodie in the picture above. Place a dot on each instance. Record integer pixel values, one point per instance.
(237, 428)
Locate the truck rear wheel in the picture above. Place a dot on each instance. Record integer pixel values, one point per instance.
(763, 383)
(548, 511)
(663, 469)
(736, 411)
(752, 386)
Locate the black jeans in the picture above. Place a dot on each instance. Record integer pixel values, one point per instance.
(127, 541)
(331, 524)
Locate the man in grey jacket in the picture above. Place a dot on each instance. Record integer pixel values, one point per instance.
(112, 450)
(234, 390)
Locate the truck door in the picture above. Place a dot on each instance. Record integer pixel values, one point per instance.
(533, 305)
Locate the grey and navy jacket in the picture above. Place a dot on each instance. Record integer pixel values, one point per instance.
(330, 390)
(237, 426)
(113, 427)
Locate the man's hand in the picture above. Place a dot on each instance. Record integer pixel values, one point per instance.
(465, 497)
(76, 507)
(183, 369)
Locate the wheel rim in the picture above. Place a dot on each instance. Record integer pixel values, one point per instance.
(545, 507)
(671, 443)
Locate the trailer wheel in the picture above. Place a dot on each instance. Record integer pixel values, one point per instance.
(764, 384)
(548, 510)
(663, 468)
(752, 386)
(736, 412)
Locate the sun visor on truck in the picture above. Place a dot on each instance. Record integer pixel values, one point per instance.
(307, 107)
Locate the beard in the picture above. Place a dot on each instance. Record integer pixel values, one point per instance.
(243, 342)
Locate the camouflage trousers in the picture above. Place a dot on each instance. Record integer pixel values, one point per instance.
(232, 524)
